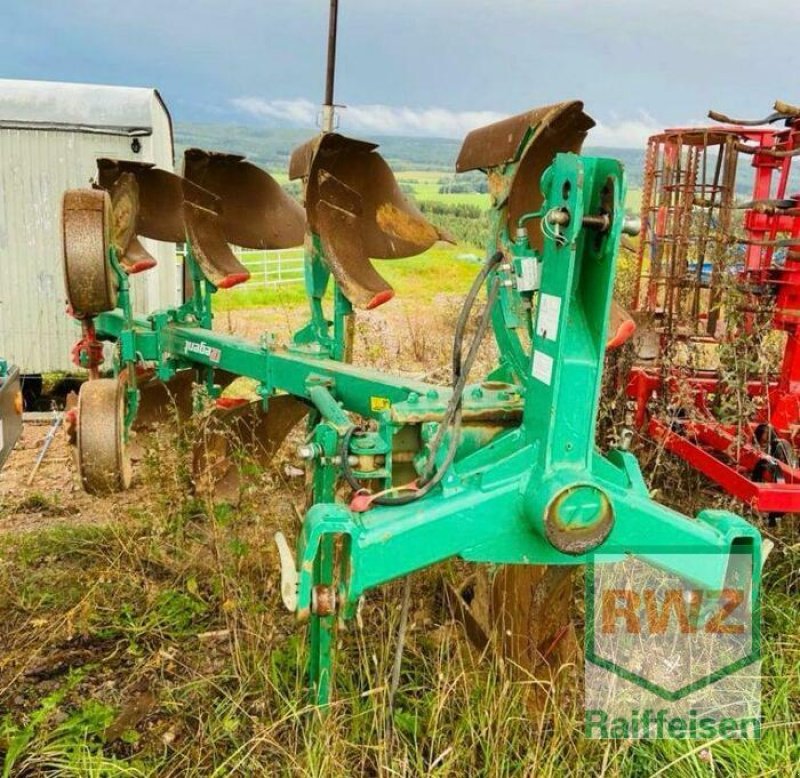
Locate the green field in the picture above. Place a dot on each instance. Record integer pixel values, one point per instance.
(441, 269)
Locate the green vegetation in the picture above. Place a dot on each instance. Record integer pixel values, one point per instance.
(271, 147)
(440, 270)
(157, 646)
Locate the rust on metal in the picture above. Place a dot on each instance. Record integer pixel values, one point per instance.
(171, 208)
(161, 401)
(578, 519)
(103, 460)
(501, 142)
(526, 613)
(256, 212)
(323, 602)
(226, 432)
(210, 249)
(86, 233)
(125, 212)
(530, 140)
(354, 203)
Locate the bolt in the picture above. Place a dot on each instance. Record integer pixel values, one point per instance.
(307, 451)
(323, 600)
(413, 398)
(432, 394)
(631, 225)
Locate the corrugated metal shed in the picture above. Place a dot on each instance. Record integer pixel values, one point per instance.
(50, 136)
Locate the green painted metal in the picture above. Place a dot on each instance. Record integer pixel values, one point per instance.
(527, 485)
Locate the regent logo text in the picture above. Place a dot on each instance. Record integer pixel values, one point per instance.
(204, 350)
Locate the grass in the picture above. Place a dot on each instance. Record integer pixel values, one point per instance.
(439, 270)
(156, 646)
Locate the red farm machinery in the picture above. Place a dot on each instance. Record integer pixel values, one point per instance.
(718, 302)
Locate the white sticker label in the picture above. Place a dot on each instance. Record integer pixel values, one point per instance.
(547, 319)
(528, 280)
(542, 369)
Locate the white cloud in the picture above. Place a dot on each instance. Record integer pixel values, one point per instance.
(432, 122)
(624, 133)
(299, 111)
(376, 118)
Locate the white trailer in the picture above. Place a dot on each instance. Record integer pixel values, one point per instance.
(50, 136)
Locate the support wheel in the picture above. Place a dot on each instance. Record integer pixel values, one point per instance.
(90, 281)
(769, 472)
(103, 461)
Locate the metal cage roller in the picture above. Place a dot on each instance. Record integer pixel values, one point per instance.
(256, 212)
(103, 460)
(355, 205)
(86, 231)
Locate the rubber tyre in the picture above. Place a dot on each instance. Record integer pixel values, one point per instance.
(103, 460)
(89, 279)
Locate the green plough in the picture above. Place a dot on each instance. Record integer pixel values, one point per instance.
(500, 468)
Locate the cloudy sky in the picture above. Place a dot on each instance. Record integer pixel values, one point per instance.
(420, 67)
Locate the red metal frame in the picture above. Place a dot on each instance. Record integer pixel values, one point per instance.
(727, 454)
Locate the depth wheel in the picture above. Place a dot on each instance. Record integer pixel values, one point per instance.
(769, 472)
(90, 282)
(103, 460)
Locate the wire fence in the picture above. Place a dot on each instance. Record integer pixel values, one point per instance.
(272, 268)
(267, 268)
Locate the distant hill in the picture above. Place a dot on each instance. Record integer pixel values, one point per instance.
(271, 147)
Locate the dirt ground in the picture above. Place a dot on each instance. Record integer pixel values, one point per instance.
(54, 496)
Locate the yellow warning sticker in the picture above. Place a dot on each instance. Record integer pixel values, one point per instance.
(379, 404)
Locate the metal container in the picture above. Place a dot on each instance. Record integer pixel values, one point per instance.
(50, 136)
(10, 409)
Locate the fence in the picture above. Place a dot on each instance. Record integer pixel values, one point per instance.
(267, 268)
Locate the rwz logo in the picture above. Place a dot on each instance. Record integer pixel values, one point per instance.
(650, 611)
(650, 631)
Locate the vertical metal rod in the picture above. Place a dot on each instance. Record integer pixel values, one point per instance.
(328, 105)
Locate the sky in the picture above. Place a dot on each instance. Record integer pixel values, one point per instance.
(420, 67)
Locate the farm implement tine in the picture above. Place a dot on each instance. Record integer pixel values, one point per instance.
(355, 206)
(228, 433)
(256, 212)
(169, 208)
